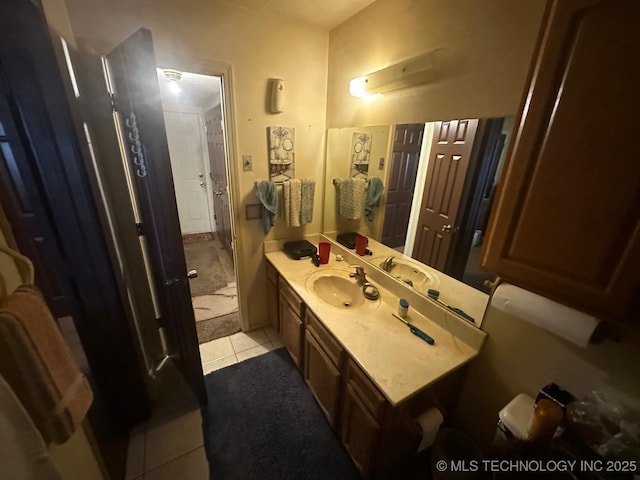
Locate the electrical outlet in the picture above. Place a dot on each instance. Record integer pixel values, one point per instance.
(247, 163)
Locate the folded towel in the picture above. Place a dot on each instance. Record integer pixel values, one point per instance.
(292, 201)
(24, 455)
(37, 364)
(374, 192)
(267, 193)
(306, 201)
(351, 197)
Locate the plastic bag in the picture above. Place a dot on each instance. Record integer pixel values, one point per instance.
(606, 425)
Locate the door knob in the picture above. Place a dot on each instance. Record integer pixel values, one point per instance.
(192, 274)
(449, 228)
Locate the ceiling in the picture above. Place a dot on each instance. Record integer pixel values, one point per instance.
(322, 13)
(196, 90)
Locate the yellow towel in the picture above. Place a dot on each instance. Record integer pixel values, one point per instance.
(37, 364)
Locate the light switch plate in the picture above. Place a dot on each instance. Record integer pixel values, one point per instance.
(247, 163)
(381, 163)
(253, 211)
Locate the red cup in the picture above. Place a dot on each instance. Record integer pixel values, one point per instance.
(361, 244)
(323, 251)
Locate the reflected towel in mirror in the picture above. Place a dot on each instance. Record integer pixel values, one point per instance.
(374, 192)
(351, 197)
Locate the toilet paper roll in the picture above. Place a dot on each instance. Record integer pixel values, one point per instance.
(429, 421)
(575, 326)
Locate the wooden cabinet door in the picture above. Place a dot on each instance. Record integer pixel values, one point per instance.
(272, 301)
(566, 223)
(323, 378)
(360, 431)
(291, 330)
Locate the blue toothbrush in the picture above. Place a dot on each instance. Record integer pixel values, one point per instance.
(415, 330)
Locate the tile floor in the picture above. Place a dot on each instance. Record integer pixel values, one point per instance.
(240, 346)
(170, 445)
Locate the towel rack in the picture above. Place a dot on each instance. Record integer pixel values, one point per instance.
(277, 184)
(336, 181)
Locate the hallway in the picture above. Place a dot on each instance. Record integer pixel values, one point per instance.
(214, 292)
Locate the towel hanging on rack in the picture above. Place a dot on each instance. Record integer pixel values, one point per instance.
(267, 193)
(298, 201)
(306, 200)
(37, 364)
(24, 454)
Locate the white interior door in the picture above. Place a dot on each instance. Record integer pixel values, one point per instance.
(184, 135)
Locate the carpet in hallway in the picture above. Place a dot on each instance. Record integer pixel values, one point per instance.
(261, 421)
(214, 266)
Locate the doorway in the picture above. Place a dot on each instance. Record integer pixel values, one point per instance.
(194, 122)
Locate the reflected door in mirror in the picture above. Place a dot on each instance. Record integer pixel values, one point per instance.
(402, 181)
(448, 164)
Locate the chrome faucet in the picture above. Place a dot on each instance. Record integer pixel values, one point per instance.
(388, 264)
(359, 274)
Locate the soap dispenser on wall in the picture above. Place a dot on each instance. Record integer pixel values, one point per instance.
(277, 95)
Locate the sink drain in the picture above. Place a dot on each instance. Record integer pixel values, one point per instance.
(346, 304)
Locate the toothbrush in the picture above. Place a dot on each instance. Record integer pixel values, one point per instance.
(435, 294)
(415, 330)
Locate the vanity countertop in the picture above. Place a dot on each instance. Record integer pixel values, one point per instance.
(398, 362)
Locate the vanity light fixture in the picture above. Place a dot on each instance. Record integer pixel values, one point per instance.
(408, 73)
(173, 77)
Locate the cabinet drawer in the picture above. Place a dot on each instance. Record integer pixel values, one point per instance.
(272, 274)
(291, 297)
(331, 347)
(367, 391)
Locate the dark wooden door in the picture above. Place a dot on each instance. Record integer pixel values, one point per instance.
(21, 201)
(219, 178)
(54, 187)
(448, 163)
(566, 221)
(402, 181)
(137, 97)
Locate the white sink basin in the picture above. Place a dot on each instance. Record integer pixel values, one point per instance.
(337, 289)
(411, 273)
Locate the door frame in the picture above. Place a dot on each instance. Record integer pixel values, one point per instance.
(223, 70)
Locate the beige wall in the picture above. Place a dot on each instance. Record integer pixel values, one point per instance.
(486, 51)
(258, 47)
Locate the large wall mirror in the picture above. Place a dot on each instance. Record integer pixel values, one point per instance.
(439, 183)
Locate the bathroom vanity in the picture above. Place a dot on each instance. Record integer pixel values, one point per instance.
(369, 374)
